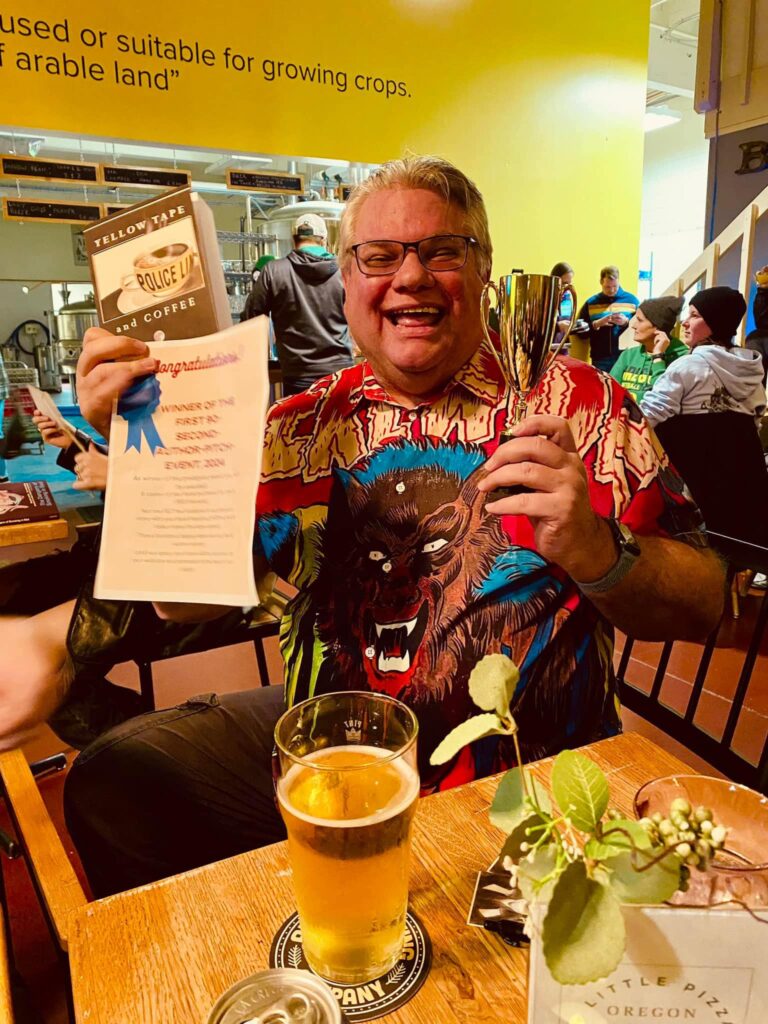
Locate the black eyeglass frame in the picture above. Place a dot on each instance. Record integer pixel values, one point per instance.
(467, 239)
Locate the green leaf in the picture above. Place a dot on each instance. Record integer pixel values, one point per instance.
(583, 935)
(473, 729)
(654, 885)
(508, 808)
(530, 874)
(492, 683)
(617, 836)
(580, 788)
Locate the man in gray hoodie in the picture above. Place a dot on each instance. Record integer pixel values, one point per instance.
(717, 376)
(304, 296)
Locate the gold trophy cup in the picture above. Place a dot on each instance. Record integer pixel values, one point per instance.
(527, 306)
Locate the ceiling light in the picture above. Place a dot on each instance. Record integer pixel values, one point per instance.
(654, 120)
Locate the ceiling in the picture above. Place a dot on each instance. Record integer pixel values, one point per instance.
(672, 50)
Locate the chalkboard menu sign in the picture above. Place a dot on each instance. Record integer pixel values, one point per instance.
(263, 181)
(144, 177)
(49, 170)
(50, 212)
(110, 209)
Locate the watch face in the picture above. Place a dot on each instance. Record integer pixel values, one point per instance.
(627, 541)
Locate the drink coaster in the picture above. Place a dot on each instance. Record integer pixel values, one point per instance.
(374, 998)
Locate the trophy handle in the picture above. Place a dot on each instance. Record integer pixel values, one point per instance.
(567, 288)
(485, 308)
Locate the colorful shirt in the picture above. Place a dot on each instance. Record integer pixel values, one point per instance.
(604, 340)
(371, 510)
(637, 370)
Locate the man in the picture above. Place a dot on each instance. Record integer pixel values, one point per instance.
(608, 314)
(757, 340)
(304, 296)
(374, 504)
(639, 367)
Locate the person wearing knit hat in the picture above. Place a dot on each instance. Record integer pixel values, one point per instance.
(717, 376)
(640, 366)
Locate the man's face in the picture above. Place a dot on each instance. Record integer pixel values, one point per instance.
(415, 327)
(610, 285)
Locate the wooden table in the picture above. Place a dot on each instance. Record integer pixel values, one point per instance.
(163, 953)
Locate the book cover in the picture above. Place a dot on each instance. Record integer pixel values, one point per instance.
(27, 502)
(156, 269)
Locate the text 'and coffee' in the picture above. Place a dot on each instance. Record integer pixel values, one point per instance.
(167, 59)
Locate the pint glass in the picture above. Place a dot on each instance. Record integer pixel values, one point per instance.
(347, 789)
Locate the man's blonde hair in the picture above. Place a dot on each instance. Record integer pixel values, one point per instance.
(430, 173)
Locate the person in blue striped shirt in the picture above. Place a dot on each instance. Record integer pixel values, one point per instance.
(608, 313)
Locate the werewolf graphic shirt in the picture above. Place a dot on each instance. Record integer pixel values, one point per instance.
(404, 582)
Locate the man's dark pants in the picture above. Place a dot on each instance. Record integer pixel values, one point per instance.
(175, 789)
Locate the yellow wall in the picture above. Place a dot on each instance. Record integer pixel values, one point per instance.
(541, 103)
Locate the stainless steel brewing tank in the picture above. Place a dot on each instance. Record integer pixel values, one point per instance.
(72, 321)
(282, 217)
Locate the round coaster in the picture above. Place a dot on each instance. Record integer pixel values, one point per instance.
(375, 998)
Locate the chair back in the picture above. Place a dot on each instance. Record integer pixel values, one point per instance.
(720, 458)
(718, 738)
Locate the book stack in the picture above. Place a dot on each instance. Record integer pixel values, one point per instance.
(28, 513)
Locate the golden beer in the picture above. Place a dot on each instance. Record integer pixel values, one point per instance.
(348, 810)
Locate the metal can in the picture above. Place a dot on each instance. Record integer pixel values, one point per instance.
(281, 996)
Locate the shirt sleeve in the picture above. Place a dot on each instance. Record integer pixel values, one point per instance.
(665, 398)
(259, 302)
(760, 309)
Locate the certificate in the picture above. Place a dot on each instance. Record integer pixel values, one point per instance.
(184, 460)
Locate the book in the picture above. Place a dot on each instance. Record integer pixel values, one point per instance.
(27, 502)
(156, 269)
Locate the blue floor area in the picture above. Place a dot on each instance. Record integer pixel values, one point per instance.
(43, 467)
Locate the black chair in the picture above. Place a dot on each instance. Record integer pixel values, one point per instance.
(720, 458)
(718, 751)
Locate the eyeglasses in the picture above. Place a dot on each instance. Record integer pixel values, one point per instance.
(437, 254)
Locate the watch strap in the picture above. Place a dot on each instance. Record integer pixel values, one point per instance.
(629, 552)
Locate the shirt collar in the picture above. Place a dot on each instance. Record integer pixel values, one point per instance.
(481, 376)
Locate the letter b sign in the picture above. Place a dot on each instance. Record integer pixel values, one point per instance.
(754, 157)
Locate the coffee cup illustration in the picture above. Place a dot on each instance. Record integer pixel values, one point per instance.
(164, 271)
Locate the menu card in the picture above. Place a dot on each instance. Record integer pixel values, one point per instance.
(681, 964)
(184, 461)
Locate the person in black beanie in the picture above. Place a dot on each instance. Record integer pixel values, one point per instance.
(640, 366)
(717, 376)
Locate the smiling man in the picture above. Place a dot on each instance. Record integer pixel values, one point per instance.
(374, 504)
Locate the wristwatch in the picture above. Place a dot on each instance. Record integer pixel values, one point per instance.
(629, 552)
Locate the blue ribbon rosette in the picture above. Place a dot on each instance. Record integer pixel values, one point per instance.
(136, 406)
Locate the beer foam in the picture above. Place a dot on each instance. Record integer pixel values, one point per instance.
(407, 792)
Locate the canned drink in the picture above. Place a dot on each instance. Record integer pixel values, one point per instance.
(281, 996)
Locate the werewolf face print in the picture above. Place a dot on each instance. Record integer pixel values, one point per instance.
(416, 582)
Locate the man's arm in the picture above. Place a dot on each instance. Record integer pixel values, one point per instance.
(260, 301)
(674, 591)
(35, 671)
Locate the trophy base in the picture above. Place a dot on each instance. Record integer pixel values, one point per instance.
(507, 492)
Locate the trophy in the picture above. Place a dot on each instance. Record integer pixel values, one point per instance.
(527, 306)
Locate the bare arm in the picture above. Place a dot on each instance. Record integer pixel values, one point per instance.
(674, 591)
(35, 671)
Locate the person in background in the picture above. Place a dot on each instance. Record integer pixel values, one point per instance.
(565, 272)
(638, 367)
(89, 466)
(608, 314)
(5, 390)
(259, 265)
(717, 376)
(304, 296)
(757, 340)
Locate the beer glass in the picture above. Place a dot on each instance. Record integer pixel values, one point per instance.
(347, 790)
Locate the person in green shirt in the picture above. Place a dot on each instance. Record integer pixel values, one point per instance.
(638, 367)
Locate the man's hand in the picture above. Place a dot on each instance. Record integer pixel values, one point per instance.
(50, 431)
(620, 320)
(91, 470)
(543, 456)
(101, 378)
(661, 343)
